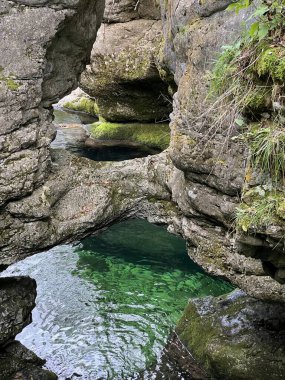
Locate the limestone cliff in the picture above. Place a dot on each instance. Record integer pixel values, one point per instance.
(124, 75)
(204, 184)
(38, 41)
(193, 187)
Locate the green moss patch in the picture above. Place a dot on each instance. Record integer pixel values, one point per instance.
(272, 63)
(151, 135)
(83, 104)
(8, 80)
(257, 99)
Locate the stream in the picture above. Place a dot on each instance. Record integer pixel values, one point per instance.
(106, 306)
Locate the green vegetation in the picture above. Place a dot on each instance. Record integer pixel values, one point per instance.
(83, 104)
(266, 141)
(8, 80)
(272, 63)
(261, 208)
(151, 135)
(249, 78)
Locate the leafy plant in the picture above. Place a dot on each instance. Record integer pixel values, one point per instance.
(269, 17)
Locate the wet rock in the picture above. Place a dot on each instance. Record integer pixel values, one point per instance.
(17, 299)
(19, 363)
(176, 362)
(235, 336)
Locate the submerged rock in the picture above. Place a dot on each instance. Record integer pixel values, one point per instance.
(235, 336)
(176, 362)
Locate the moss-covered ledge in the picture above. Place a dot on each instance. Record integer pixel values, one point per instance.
(152, 135)
(83, 104)
(235, 336)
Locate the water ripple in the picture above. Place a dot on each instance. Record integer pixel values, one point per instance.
(104, 309)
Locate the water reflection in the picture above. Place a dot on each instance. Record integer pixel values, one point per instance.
(105, 308)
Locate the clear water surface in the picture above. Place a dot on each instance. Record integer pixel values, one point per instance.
(105, 308)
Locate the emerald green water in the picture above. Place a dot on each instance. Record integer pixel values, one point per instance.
(106, 307)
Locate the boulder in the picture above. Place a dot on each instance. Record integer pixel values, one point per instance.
(123, 76)
(235, 336)
(19, 363)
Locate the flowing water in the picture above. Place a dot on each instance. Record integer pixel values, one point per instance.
(106, 307)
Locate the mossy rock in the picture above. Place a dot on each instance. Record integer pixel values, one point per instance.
(228, 336)
(124, 75)
(259, 99)
(83, 104)
(260, 208)
(272, 63)
(151, 135)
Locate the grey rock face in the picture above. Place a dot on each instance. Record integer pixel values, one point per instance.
(127, 10)
(123, 76)
(210, 165)
(236, 336)
(17, 299)
(37, 66)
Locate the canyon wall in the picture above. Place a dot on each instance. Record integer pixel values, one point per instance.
(48, 198)
(44, 47)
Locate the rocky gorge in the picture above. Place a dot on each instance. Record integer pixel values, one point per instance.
(48, 197)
